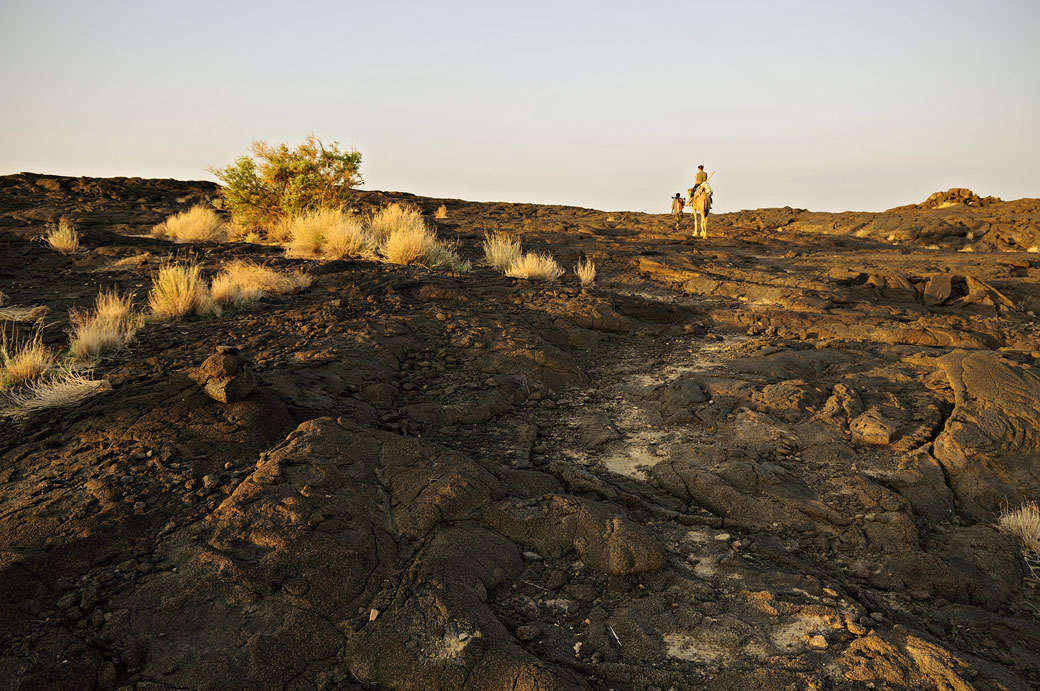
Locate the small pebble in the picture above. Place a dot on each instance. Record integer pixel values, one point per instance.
(527, 632)
(816, 642)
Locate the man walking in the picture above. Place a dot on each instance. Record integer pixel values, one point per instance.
(677, 206)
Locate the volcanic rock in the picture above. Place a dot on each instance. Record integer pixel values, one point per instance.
(774, 458)
(225, 376)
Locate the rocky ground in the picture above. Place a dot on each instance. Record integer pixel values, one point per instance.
(772, 459)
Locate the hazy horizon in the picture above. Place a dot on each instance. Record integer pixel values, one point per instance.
(600, 105)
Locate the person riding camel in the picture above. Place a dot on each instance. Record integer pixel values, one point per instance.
(701, 178)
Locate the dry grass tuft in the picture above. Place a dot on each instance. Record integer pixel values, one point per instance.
(328, 234)
(110, 326)
(395, 234)
(501, 250)
(23, 363)
(178, 290)
(65, 388)
(200, 223)
(445, 258)
(242, 282)
(1024, 524)
(20, 313)
(586, 272)
(408, 245)
(405, 238)
(236, 232)
(536, 267)
(396, 218)
(441, 213)
(280, 231)
(62, 236)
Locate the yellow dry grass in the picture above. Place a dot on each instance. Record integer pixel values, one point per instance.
(200, 223)
(418, 245)
(242, 282)
(586, 272)
(67, 387)
(535, 267)
(109, 326)
(21, 313)
(237, 232)
(407, 246)
(279, 232)
(441, 213)
(1024, 524)
(22, 363)
(327, 234)
(178, 290)
(501, 250)
(62, 237)
(396, 218)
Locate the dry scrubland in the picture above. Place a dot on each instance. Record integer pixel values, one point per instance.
(801, 454)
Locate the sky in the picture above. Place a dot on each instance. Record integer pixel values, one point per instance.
(829, 105)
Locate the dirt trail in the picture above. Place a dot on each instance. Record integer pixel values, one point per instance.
(771, 459)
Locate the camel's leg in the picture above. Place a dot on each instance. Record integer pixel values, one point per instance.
(704, 225)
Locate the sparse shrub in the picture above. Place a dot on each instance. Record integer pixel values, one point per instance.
(62, 237)
(275, 182)
(23, 363)
(243, 282)
(536, 267)
(328, 233)
(178, 290)
(200, 223)
(441, 212)
(586, 272)
(1024, 524)
(501, 250)
(111, 325)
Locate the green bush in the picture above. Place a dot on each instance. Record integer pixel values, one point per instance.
(276, 182)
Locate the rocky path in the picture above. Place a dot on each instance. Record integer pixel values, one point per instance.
(772, 459)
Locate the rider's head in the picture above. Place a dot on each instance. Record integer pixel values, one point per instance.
(700, 167)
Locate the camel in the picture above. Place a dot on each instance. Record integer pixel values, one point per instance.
(701, 204)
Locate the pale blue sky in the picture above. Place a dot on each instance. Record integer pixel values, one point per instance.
(820, 104)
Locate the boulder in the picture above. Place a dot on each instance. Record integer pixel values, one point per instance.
(225, 376)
